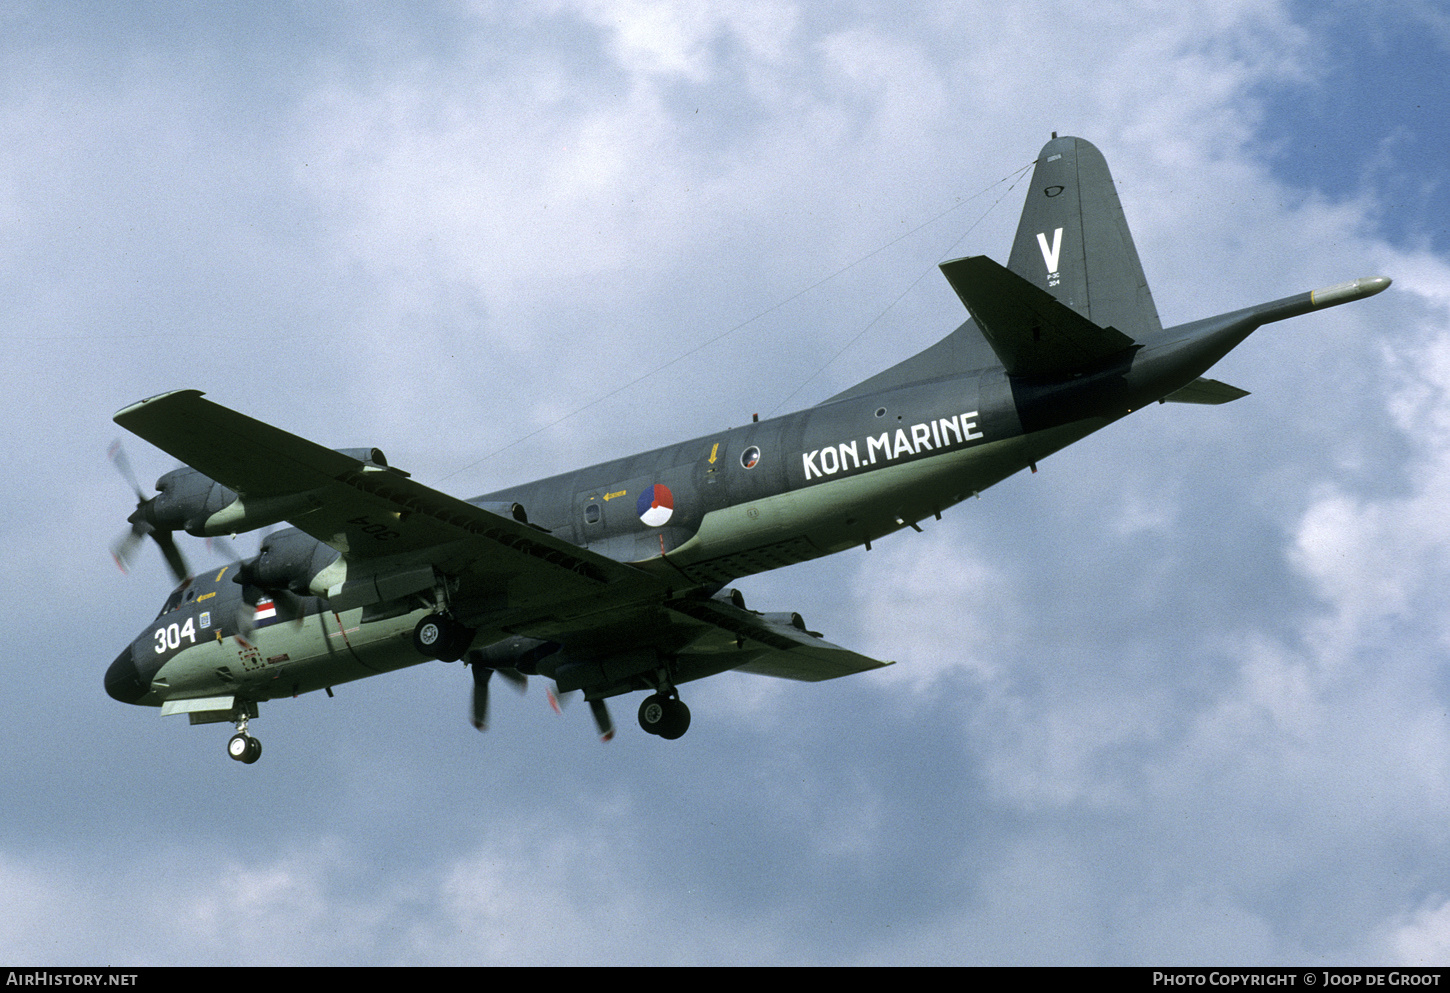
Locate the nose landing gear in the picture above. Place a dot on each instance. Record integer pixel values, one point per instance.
(242, 746)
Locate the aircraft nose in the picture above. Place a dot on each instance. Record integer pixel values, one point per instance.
(123, 681)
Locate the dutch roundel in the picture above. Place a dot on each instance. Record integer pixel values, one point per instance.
(656, 505)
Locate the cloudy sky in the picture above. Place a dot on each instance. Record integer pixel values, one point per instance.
(1181, 697)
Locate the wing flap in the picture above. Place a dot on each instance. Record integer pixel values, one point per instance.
(1033, 334)
(775, 646)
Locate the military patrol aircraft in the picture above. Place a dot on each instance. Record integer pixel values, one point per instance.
(614, 579)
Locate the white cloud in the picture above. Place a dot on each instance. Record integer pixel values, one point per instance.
(1379, 561)
(1421, 938)
(678, 39)
(935, 605)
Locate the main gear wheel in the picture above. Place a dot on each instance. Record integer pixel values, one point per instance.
(440, 637)
(665, 716)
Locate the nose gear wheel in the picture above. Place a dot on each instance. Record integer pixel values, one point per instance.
(244, 748)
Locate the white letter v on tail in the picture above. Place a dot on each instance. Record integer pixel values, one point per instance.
(1049, 255)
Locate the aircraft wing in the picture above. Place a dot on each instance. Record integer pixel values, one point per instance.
(1209, 391)
(773, 644)
(377, 517)
(1032, 332)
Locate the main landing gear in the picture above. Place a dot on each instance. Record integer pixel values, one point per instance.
(440, 637)
(665, 715)
(242, 746)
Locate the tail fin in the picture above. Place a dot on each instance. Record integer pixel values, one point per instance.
(1073, 241)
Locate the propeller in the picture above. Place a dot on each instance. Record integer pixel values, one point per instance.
(256, 594)
(558, 701)
(482, 673)
(284, 602)
(124, 550)
(602, 719)
(598, 708)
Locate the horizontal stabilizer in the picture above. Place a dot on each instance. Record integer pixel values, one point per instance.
(1206, 391)
(1033, 334)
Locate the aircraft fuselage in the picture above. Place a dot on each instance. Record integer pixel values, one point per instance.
(611, 578)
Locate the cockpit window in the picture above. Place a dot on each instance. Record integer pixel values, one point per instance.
(184, 592)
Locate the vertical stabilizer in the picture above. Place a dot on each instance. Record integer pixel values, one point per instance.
(1073, 241)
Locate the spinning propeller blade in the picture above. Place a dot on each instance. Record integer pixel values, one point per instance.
(602, 719)
(481, 675)
(124, 550)
(256, 593)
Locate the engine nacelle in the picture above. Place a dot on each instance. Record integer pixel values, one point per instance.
(289, 560)
(518, 652)
(197, 504)
(185, 500)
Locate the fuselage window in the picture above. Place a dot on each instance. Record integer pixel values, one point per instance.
(750, 457)
(591, 513)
